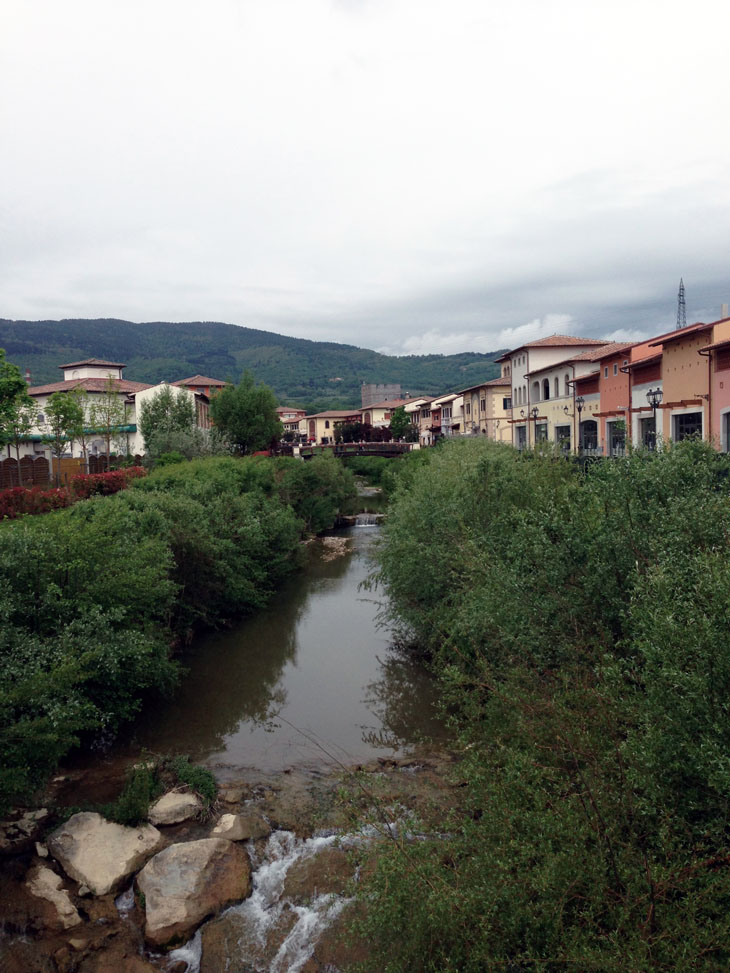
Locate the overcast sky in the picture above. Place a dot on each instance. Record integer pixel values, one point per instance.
(414, 176)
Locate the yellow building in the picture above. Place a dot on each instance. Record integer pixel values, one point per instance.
(488, 409)
(320, 427)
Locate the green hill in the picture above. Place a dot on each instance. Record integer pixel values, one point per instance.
(318, 374)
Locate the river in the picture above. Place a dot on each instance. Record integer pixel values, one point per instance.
(307, 682)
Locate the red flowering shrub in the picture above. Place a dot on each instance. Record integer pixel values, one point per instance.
(102, 484)
(31, 500)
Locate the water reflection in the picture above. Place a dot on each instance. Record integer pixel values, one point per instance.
(299, 682)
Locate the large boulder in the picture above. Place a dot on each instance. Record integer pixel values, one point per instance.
(102, 855)
(187, 882)
(43, 883)
(175, 806)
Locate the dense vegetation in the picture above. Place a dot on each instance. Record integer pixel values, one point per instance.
(578, 621)
(314, 374)
(94, 597)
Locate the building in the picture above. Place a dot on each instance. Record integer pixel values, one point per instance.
(487, 408)
(521, 366)
(451, 408)
(290, 418)
(320, 427)
(419, 412)
(379, 414)
(370, 393)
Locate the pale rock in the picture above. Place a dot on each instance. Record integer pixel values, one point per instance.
(41, 850)
(78, 944)
(189, 881)
(43, 883)
(241, 827)
(84, 890)
(175, 806)
(99, 853)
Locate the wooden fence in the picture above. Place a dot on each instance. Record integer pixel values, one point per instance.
(37, 471)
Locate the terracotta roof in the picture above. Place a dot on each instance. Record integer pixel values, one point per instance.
(640, 362)
(665, 339)
(200, 380)
(94, 361)
(583, 378)
(717, 344)
(553, 341)
(387, 404)
(90, 384)
(334, 414)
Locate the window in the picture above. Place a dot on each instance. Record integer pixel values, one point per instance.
(536, 391)
(468, 408)
(690, 424)
(326, 423)
(556, 383)
(605, 371)
(40, 417)
(615, 368)
(483, 405)
(507, 403)
(546, 388)
(567, 384)
(426, 414)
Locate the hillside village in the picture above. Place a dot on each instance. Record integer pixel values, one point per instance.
(584, 395)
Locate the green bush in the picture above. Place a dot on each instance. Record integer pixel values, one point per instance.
(578, 622)
(93, 597)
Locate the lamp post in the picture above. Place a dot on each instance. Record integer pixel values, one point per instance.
(534, 413)
(579, 403)
(654, 397)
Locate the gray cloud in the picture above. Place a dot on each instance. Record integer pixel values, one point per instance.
(407, 176)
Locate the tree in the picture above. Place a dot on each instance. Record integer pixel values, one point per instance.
(64, 417)
(12, 386)
(18, 425)
(399, 423)
(82, 433)
(167, 416)
(108, 415)
(246, 415)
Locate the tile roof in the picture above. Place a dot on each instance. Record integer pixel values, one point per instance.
(90, 384)
(334, 414)
(665, 339)
(387, 404)
(553, 341)
(200, 380)
(94, 361)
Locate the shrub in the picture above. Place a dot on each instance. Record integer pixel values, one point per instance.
(87, 485)
(31, 500)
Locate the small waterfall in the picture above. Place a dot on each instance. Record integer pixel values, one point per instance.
(366, 520)
(262, 912)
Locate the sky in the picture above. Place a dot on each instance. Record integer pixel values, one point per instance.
(414, 176)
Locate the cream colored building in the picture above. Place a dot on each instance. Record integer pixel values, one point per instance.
(521, 366)
(320, 427)
(488, 408)
(379, 414)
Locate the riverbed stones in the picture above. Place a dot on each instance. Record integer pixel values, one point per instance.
(43, 883)
(189, 881)
(99, 853)
(174, 807)
(328, 871)
(238, 940)
(241, 827)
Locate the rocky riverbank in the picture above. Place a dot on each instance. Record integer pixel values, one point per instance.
(262, 881)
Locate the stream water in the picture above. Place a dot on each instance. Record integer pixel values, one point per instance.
(305, 682)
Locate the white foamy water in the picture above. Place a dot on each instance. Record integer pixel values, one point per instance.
(265, 906)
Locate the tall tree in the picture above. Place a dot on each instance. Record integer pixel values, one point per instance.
(399, 423)
(12, 386)
(246, 415)
(64, 416)
(83, 433)
(108, 414)
(161, 417)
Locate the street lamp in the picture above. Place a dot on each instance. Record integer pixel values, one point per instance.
(579, 404)
(654, 397)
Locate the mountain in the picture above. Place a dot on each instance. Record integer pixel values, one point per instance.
(320, 374)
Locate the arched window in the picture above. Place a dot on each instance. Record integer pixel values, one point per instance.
(567, 385)
(524, 395)
(546, 388)
(557, 386)
(536, 391)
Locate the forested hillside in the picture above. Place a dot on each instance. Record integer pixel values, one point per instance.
(313, 373)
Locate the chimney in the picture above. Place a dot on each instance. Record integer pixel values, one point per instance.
(724, 311)
(27, 374)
